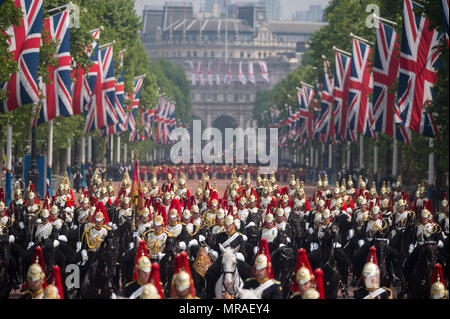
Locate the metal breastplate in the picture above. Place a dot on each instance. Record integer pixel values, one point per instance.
(96, 237)
(43, 231)
(269, 234)
(175, 230)
(156, 244)
(142, 228)
(243, 214)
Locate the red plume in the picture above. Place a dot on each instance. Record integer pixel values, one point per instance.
(38, 258)
(264, 249)
(182, 264)
(142, 250)
(408, 196)
(155, 279)
(302, 260)
(55, 279)
(372, 255)
(100, 208)
(318, 274)
(437, 272)
(445, 196)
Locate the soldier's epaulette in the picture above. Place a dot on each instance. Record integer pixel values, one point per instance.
(251, 278)
(107, 227)
(276, 282)
(129, 283)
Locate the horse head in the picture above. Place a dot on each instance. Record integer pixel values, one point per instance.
(48, 251)
(229, 268)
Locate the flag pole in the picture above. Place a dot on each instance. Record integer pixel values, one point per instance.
(361, 39)
(341, 51)
(395, 158)
(8, 163)
(384, 20)
(361, 152)
(431, 164)
(50, 157)
(83, 159)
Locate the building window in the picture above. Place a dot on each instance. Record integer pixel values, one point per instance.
(179, 54)
(212, 54)
(205, 54)
(188, 54)
(174, 54)
(265, 54)
(195, 54)
(247, 97)
(242, 54)
(248, 54)
(223, 53)
(203, 97)
(215, 97)
(236, 98)
(259, 54)
(225, 97)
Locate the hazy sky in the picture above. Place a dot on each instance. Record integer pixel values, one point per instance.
(288, 7)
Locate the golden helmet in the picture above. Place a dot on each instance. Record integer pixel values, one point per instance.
(337, 189)
(182, 182)
(401, 202)
(285, 198)
(220, 213)
(144, 264)
(44, 213)
(35, 272)
(154, 180)
(261, 262)
(248, 180)
(272, 178)
(229, 220)
(252, 199)
(187, 214)
(370, 269)
(2, 206)
(319, 182)
(326, 213)
(350, 181)
(158, 221)
(292, 181)
(303, 276)
(31, 195)
(195, 209)
(214, 202)
(149, 292)
(144, 212)
(325, 180)
(383, 189)
(280, 212)
(243, 200)
(425, 213)
(173, 213)
(268, 218)
(438, 290)
(182, 280)
(373, 189)
(199, 192)
(51, 292)
(167, 195)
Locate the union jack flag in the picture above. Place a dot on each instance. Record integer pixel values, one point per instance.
(101, 111)
(418, 62)
(305, 114)
(58, 99)
(361, 81)
(324, 125)
(23, 87)
(121, 126)
(340, 95)
(134, 97)
(84, 85)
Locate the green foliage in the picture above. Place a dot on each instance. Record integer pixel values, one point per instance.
(122, 25)
(345, 16)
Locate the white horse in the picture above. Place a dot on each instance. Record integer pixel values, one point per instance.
(229, 281)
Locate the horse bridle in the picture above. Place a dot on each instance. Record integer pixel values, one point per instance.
(233, 274)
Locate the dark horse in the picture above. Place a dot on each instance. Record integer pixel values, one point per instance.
(330, 260)
(5, 279)
(167, 262)
(283, 262)
(98, 283)
(419, 270)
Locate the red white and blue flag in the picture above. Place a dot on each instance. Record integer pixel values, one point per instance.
(84, 84)
(24, 44)
(101, 112)
(305, 115)
(134, 97)
(324, 124)
(361, 81)
(57, 95)
(340, 95)
(418, 71)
